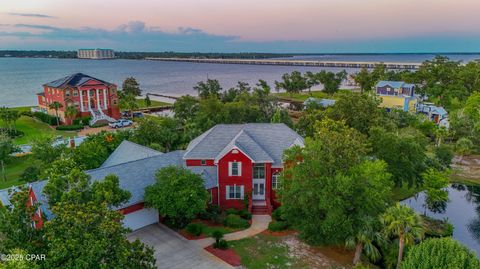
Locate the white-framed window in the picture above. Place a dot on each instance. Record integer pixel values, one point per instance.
(211, 197)
(75, 93)
(259, 171)
(203, 162)
(234, 169)
(276, 181)
(234, 192)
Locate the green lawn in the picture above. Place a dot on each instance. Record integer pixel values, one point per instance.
(33, 128)
(141, 103)
(14, 168)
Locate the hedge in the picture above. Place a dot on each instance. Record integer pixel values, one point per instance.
(276, 226)
(69, 127)
(49, 119)
(235, 221)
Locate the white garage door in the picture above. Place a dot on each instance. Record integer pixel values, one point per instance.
(140, 218)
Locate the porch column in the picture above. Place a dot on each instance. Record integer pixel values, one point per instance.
(81, 100)
(88, 97)
(98, 100)
(105, 98)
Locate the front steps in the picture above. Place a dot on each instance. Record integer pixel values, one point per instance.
(259, 208)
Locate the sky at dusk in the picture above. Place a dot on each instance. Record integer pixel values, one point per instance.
(316, 26)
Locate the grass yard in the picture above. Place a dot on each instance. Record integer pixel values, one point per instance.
(34, 128)
(141, 103)
(268, 251)
(14, 169)
(305, 95)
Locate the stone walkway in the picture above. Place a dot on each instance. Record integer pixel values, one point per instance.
(259, 224)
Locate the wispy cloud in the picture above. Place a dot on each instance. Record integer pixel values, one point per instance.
(33, 15)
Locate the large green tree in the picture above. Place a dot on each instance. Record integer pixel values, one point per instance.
(130, 86)
(292, 83)
(7, 147)
(329, 186)
(440, 253)
(210, 88)
(402, 222)
(177, 194)
(185, 108)
(331, 81)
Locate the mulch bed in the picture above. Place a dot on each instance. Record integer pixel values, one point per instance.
(279, 233)
(227, 255)
(189, 236)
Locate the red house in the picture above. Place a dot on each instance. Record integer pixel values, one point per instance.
(239, 163)
(90, 96)
(245, 160)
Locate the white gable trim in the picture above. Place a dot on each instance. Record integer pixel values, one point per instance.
(227, 150)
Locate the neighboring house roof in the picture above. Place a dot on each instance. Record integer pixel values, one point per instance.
(395, 84)
(432, 109)
(135, 176)
(74, 80)
(128, 151)
(320, 102)
(4, 198)
(262, 142)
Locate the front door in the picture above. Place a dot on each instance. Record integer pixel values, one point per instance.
(258, 189)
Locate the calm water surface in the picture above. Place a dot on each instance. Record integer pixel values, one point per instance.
(21, 78)
(462, 210)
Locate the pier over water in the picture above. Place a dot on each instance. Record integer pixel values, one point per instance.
(311, 63)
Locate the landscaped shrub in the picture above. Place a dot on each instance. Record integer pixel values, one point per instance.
(26, 113)
(96, 125)
(69, 127)
(235, 221)
(245, 214)
(219, 242)
(213, 213)
(31, 174)
(276, 226)
(49, 119)
(11, 132)
(82, 120)
(230, 211)
(277, 214)
(195, 229)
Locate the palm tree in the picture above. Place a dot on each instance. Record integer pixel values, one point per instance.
(402, 222)
(127, 102)
(71, 112)
(364, 238)
(56, 106)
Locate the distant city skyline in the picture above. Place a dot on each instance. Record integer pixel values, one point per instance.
(302, 26)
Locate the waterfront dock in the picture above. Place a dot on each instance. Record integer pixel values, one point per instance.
(308, 63)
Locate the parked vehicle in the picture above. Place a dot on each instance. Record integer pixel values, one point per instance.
(120, 123)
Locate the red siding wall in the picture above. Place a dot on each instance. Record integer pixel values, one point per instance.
(132, 208)
(224, 179)
(214, 194)
(37, 218)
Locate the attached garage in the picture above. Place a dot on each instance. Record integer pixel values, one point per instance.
(140, 218)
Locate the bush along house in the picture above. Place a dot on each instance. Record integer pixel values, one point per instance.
(238, 162)
(90, 96)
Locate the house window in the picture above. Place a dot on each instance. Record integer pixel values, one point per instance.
(234, 168)
(67, 93)
(115, 102)
(211, 196)
(75, 93)
(276, 181)
(203, 162)
(234, 192)
(259, 171)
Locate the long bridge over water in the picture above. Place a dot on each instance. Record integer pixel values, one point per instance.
(311, 63)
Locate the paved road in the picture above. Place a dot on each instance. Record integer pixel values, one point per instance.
(174, 251)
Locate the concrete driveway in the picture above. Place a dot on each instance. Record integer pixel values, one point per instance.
(174, 251)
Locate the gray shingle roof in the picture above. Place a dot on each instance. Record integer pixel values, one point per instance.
(136, 175)
(73, 81)
(263, 142)
(395, 84)
(128, 151)
(208, 173)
